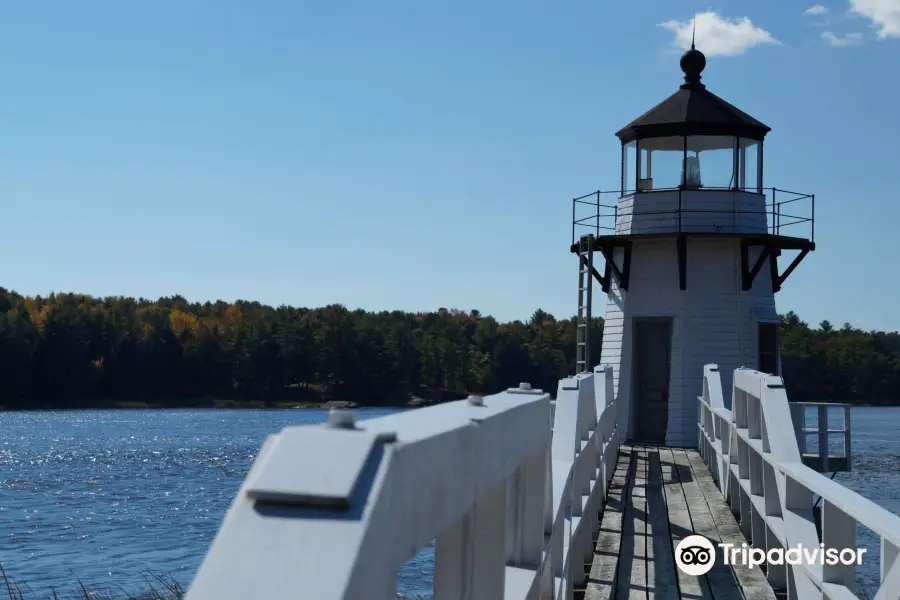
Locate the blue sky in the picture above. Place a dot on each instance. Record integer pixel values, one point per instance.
(413, 154)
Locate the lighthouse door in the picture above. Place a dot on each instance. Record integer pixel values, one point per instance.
(650, 406)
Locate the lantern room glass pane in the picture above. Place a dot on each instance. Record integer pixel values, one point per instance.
(711, 162)
(629, 168)
(661, 160)
(749, 174)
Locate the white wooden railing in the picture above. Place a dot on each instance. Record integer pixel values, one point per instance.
(753, 455)
(334, 511)
(822, 460)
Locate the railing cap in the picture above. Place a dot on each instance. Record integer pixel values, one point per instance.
(284, 479)
(773, 382)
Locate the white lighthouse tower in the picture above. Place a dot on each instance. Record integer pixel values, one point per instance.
(688, 258)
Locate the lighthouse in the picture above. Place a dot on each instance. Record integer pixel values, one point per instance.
(687, 253)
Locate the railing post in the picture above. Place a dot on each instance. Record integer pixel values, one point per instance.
(574, 201)
(526, 495)
(847, 452)
(838, 532)
(525, 513)
(679, 210)
(813, 220)
(798, 417)
(778, 218)
(823, 436)
(889, 555)
(773, 211)
(470, 556)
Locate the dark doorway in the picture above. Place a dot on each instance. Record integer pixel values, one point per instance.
(651, 354)
(768, 348)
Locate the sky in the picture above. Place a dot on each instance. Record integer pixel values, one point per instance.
(414, 155)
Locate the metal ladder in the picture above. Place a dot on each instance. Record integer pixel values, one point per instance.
(583, 322)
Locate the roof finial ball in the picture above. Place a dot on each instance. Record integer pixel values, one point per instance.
(692, 63)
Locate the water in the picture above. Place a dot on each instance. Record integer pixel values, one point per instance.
(109, 495)
(875, 474)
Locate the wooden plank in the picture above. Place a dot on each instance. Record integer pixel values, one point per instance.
(721, 579)
(601, 583)
(680, 525)
(631, 583)
(752, 582)
(662, 582)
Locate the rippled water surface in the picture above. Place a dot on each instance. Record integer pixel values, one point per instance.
(875, 474)
(108, 495)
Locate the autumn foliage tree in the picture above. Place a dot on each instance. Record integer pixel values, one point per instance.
(74, 350)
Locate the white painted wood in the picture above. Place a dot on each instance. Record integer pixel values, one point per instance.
(823, 460)
(714, 320)
(702, 211)
(470, 556)
(888, 557)
(509, 486)
(781, 501)
(526, 494)
(838, 531)
(283, 479)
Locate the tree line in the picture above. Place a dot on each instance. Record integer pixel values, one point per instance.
(68, 350)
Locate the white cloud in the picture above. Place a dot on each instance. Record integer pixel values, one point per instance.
(816, 9)
(718, 36)
(851, 39)
(884, 14)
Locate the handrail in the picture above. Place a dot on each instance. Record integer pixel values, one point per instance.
(752, 453)
(598, 218)
(509, 485)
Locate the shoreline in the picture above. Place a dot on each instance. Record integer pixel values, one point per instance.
(397, 401)
(214, 405)
(233, 404)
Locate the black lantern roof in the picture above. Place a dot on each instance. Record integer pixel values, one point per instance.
(693, 110)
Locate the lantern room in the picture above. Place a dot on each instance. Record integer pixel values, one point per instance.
(692, 140)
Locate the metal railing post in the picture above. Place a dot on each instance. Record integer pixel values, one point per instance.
(778, 217)
(813, 220)
(773, 212)
(574, 201)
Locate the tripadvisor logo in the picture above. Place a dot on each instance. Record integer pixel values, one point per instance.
(695, 555)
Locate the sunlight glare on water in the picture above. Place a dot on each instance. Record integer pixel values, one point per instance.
(109, 495)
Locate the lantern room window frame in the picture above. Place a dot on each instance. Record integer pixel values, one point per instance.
(643, 158)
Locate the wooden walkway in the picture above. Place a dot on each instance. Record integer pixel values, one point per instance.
(659, 496)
